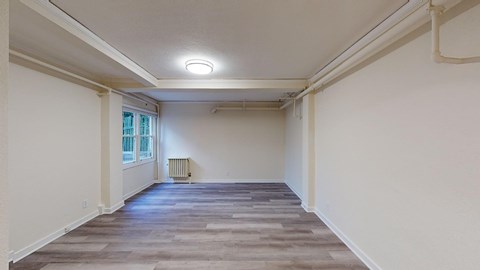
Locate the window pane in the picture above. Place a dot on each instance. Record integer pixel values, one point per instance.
(146, 147)
(128, 123)
(145, 125)
(128, 146)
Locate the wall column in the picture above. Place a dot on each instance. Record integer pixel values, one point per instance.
(111, 153)
(308, 152)
(4, 217)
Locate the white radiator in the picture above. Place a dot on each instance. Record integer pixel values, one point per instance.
(178, 167)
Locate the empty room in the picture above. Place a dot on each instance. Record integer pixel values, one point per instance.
(240, 134)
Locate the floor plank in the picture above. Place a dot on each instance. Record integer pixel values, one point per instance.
(200, 226)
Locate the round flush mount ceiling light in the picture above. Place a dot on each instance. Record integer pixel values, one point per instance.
(199, 66)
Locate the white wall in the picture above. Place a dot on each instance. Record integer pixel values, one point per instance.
(53, 154)
(398, 154)
(111, 152)
(293, 149)
(225, 146)
(3, 134)
(138, 177)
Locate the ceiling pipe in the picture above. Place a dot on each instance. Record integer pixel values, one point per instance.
(435, 12)
(140, 98)
(218, 108)
(285, 105)
(106, 90)
(380, 37)
(387, 24)
(410, 21)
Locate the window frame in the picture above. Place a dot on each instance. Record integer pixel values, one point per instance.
(136, 116)
(134, 136)
(151, 136)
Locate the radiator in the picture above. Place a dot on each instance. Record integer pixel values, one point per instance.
(178, 167)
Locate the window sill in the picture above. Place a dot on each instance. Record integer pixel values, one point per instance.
(139, 163)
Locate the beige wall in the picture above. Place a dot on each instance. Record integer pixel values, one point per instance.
(138, 177)
(3, 135)
(54, 155)
(142, 175)
(293, 149)
(111, 152)
(225, 146)
(398, 154)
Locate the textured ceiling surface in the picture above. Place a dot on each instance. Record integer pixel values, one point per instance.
(247, 39)
(34, 35)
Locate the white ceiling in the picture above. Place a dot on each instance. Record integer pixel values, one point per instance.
(32, 34)
(276, 40)
(247, 39)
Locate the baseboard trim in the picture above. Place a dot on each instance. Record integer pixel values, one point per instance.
(304, 206)
(349, 243)
(110, 210)
(227, 181)
(165, 181)
(24, 252)
(10, 256)
(307, 208)
(294, 191)
(133, 193)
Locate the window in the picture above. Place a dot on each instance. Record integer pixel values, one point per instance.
(128, 141)
(138, 137)
(146, 137)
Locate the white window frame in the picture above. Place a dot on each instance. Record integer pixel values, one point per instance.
(152, 127)
(136, 118)
(131, 136)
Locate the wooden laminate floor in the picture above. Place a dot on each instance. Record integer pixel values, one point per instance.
(200, 226)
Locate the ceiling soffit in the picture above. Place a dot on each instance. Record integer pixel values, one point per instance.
(151, 83)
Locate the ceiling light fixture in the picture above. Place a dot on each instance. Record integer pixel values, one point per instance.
(199, 66)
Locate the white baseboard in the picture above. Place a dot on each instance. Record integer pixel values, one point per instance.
(24, 252)
(110, 210)
(165, 181)
(307, 208)
(132, 193)
(304, 206)
(294, 191)
(349, 243)
(226, 181)
(10, 256)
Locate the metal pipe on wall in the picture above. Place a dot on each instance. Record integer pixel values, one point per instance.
(372, 42)
(62, 71)
(215, 109)
(435, 12)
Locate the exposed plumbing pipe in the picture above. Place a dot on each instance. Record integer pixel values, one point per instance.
(136, 98)
(218, 108)
(107, 89)
(294, 108)
(157, 106)
(435, 12)
(383, 27)
(285, 105)
(20, 55)
(292, 101)
(362, 48)
(371, 43)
